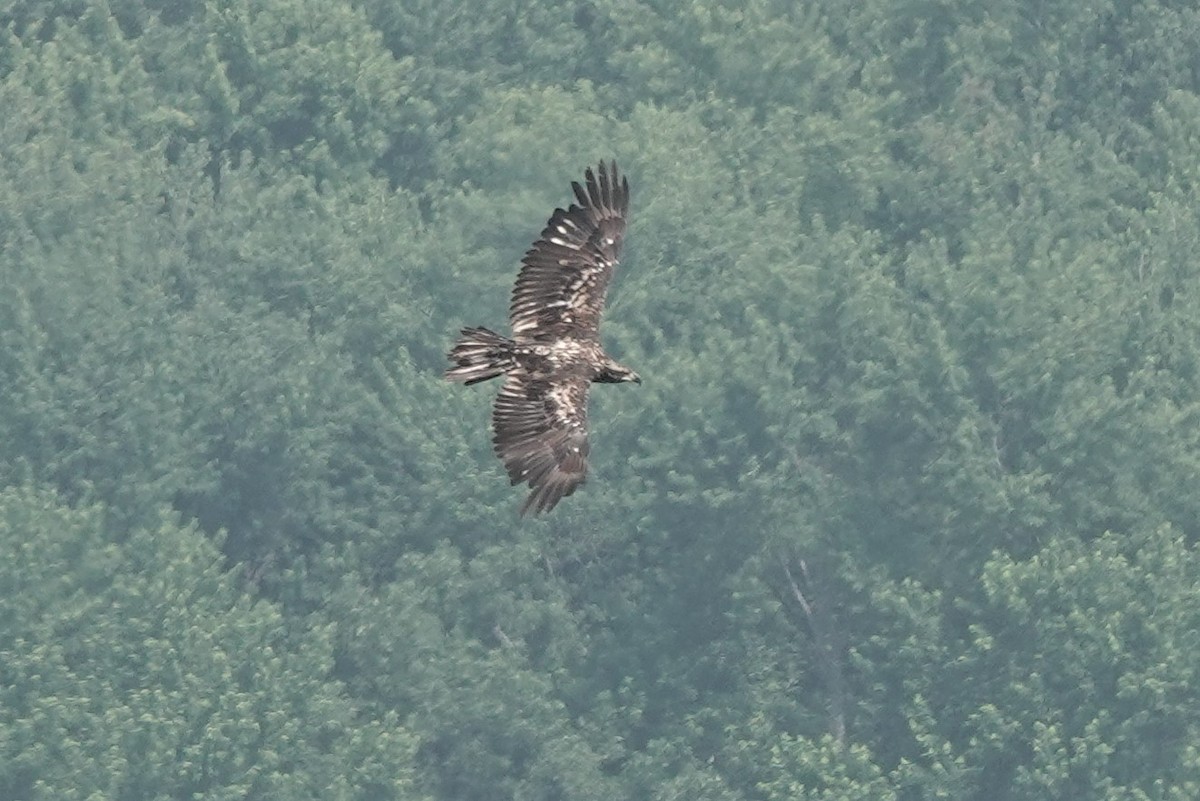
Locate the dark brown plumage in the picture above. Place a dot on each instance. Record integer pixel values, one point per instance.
(539, 422)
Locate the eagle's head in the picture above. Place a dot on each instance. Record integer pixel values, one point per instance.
(614, 373)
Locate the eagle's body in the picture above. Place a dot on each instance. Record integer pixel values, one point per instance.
(540, 418)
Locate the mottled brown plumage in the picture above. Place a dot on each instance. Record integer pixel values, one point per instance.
(539, 422)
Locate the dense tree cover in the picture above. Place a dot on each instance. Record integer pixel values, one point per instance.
(136, 667)
(905, 508)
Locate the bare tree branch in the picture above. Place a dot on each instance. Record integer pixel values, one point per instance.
(827, 654)
(502, 637)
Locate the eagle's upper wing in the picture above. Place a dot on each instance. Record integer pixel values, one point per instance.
(565, 274)
(541, 435)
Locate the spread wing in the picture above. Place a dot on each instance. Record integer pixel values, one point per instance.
(565, 275)
(541, 436)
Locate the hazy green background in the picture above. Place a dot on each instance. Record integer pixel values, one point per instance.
(906, 508)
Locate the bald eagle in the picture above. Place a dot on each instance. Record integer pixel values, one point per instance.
(539, 422)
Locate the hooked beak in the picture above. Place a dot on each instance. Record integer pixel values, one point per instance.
(637, 379)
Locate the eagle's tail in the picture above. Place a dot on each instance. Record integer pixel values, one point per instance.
(480, 354)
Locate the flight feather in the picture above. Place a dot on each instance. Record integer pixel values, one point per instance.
(564, 277)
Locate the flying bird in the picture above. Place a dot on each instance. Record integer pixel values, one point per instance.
(539, 422)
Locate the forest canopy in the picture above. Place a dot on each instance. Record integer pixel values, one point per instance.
(905, 508)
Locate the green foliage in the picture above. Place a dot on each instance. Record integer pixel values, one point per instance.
(904, 509)
(135, 666)
(1074, 674)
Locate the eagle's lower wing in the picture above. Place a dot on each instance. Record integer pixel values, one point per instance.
(541, 436)
(565, 275)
